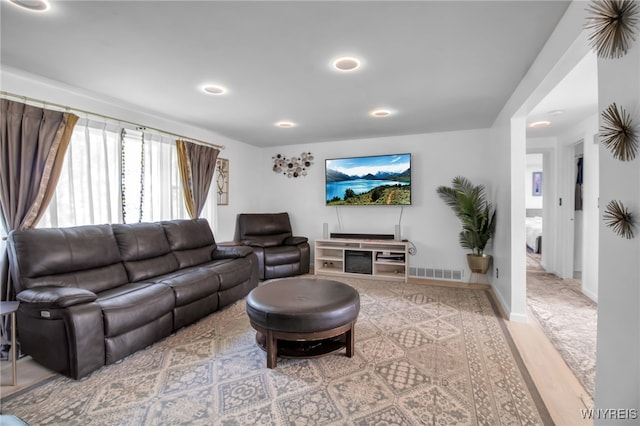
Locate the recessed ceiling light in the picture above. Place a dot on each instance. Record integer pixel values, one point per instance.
(285, 124)
(32, 5)
(213, 89)
(540, 124)
(346, 64)
(380, 112)
(556, 112)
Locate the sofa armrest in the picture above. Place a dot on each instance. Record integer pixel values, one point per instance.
(294, 241)
(231, 252)
(56, 297)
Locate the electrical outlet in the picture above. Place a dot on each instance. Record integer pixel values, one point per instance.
(497, 273)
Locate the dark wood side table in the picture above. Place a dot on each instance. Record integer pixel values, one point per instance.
(10, 308)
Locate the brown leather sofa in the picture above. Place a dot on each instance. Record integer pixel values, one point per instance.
(91, 295)
(280, 253)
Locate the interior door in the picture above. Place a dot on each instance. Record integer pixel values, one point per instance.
(567, 211)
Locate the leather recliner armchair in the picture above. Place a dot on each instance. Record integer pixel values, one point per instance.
(280, 253)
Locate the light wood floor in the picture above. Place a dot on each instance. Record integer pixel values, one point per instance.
(561, 391)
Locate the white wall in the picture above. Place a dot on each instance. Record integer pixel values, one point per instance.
(436, 159)
(534, 164)
(244, 187)
(618, 353)
(243, 159)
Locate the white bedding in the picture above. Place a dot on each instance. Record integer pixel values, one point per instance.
(534, 230)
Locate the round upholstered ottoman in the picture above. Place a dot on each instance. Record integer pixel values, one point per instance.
(303, 310)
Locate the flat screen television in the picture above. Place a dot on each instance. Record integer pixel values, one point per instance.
(368, 180)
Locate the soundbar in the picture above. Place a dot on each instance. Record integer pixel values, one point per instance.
(362, 236)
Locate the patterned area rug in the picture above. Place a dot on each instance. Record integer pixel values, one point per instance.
(569, 318)
(423, 355)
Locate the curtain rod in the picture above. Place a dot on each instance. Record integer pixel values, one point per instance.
(106, 117)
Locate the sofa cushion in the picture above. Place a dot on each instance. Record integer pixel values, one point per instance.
(190, 284)
(230, 272)
(191, 241)
(139, 241)
(133, 305)
(145, 250)
(80, 256)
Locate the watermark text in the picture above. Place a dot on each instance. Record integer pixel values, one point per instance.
(610, 413)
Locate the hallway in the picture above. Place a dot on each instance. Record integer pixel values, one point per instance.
(568, 317)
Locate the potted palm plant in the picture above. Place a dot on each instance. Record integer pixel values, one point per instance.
(478, 218)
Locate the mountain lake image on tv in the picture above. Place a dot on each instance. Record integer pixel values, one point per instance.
(370, 180)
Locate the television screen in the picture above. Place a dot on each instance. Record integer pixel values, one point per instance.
(371, 180)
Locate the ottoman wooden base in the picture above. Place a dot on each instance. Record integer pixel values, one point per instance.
(304, 345)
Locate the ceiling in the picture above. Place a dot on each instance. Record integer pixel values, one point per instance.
(437, 65)
(572, 100)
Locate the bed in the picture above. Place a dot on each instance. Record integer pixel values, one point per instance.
(534, 230)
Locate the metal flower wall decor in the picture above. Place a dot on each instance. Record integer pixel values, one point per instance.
(293, 166)
(618, 133)
(619, 218)
(613, 24)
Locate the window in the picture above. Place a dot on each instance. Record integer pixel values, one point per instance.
(96, 179)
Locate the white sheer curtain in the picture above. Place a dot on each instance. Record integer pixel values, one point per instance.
(88, 189)
(90, 192)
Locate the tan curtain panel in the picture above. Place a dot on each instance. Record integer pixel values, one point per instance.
(33, 142)
(197, 165)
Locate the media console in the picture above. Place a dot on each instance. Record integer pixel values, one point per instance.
(377, 259)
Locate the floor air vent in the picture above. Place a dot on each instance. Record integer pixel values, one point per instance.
(435, 273)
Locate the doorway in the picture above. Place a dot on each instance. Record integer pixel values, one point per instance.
(562, 281)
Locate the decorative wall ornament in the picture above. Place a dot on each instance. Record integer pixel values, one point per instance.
(294, 166)
(618, 133)
(619, 218)
(613, 23)
(222, 181)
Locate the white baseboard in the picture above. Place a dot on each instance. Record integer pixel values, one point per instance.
(517, 317)
(591, 295)
(506, 308)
